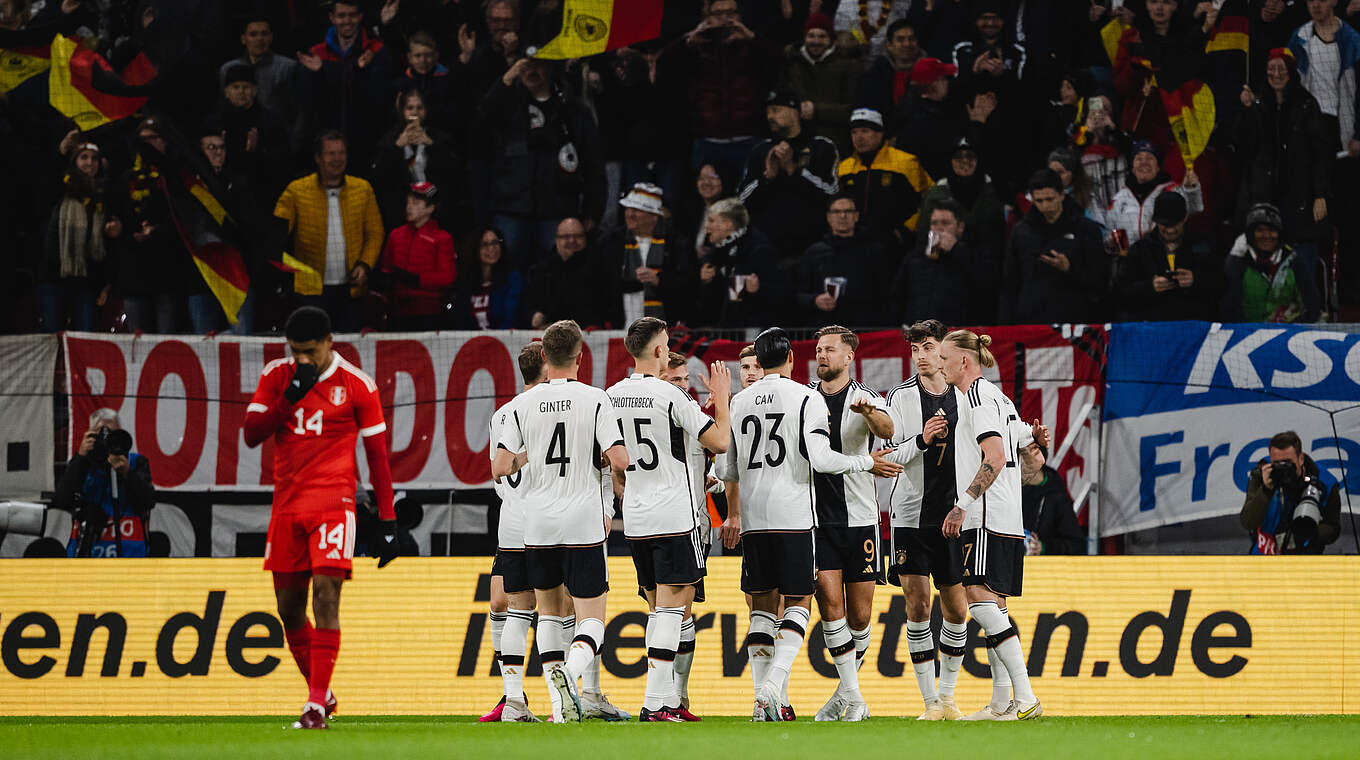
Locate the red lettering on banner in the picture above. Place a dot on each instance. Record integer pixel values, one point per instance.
(587, 371)
(412, 358)
(272, 351)
(84, 355)
(481, 353)
(618, 362)
(172, 357)
(348, 351)
(231, 411)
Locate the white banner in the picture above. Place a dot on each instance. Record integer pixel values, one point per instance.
(28, 366)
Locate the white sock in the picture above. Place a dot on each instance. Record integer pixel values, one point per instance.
(760, 646)
(684, 658)
(551, 649)
(861, 638)
(842, 649)
(787, 642)
(581, 654)
(953, 639)
(662, 641)
(921, 646)
(1003, 639)
(514, 640)
(497, 627)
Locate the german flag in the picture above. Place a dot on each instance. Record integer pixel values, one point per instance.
(591, 27)
(1231, 31)
(84, 87)
(18, 65)
(205, 227)
(1191, 111)
(1110, 36)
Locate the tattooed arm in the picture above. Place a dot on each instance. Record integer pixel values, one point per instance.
(993, 459)
(1031, 461)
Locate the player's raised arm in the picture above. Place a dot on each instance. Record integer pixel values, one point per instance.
(718, 436)
(817, 436)
(876, 417)
(278, 392)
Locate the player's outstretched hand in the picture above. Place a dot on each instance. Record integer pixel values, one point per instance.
(730, 532)
(882, 467)
(719, 382)
(304, 377)
(1041, 434)
(388, 546)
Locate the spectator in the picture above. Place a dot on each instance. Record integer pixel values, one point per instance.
(650, 269)
(1131, 210)
(488, 293)
(484, 59)
(413, 151)
(113, 526)
(1328, 50)
(693, 214)
(566, 285)
(823, 78)
(940, 24)
(740, 281)
(1104, 152)
(983, 222)
(278, 79)
(868, 21)
(350, 76)
(337, 232)
(1055, 265)
(547, 162)
(1168, 275)
(419, 262)
(427, 75)
(724, 71)
(1264, 282)
(789, 177)
(1067, 114)
(886, 183)
(244, 205)
(74, 279)
(889, 74)
(1272, 25)
(256, 141)
(926, 124)
(1051, 525)
(1076, 184)
(839, 278)
(945, 277)
(988, 62)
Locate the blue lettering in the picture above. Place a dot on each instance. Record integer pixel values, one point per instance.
(1150, 469)
(1203, 458)
(1333, 467)
(1246, 459)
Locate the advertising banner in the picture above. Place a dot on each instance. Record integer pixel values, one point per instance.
(1190, 407)
(1157, 636)
(28, 366)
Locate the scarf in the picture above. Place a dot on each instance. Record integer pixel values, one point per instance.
(1141, 190)
(652, 305)
(80, 232)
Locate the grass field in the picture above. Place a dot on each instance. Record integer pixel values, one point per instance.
(387, 738)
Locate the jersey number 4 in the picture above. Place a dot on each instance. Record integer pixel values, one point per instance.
(313, 423)
(752, 423)
(557, 450)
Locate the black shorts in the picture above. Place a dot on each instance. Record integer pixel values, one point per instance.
(785, 562)
(509, 565)
(668, 560)
(853, 551)
(582, 569)
(994, 561)
(925, 551)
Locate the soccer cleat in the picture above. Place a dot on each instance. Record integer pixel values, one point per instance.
(990, 713)
(767, 703)
(951, 710)
(571, 706)
(515, 711)
(495, 715)
(856, 712)
(332, 704)
(664, 715)
(1028, 713)
(786, 713)
(313, 716)
(832, 709)
(683, 712)
(595, 704)
(934, 711)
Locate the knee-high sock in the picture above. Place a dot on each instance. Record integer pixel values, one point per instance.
(514, 642)
(552, 650)
(842, 650)
(921, 646)
(497, 627)
(953, 639)
(684, 658)
(787, 642)
(1005, 641)
(300, 644)
(861, 638)
(760, 646)
(664, 639)
(325, 648)
(584, 647)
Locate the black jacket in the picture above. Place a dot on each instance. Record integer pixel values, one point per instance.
(950, 288)
(1286, 154)
(748, 253)
(566, 290)
(860, 260)
(678, 274)
(791, 208)
(876, 86)
(928, 129)
(1049, 516)
(1147, 258)
(392, 176)
(1033, 292)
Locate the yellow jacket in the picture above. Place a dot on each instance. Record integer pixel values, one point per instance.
(303, 204)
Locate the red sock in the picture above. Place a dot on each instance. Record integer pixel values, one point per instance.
(300, 644)
(325, 647)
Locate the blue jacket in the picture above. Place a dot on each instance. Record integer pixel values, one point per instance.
(134, 504)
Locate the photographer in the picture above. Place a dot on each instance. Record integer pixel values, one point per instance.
(1291, 507)
(98, 501)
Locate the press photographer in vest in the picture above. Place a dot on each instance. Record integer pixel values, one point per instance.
(1292, 507)
(106, 484)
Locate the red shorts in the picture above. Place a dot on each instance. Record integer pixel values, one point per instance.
(312, 537)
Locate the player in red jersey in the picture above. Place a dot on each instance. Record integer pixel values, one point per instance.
(314, 405)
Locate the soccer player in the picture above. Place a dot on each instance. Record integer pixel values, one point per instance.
(557, 434)
(750, 368)
(921, 497)
(314, 404)
(510, 588)
(659, 495)
(780, 434)
(988, 515)
(847, 520)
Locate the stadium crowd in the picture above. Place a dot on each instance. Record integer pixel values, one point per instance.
(406, 165)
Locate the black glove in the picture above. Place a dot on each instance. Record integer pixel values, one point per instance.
(388, 548)
(304, 377)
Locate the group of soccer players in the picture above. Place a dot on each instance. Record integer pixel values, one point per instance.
(797, 464)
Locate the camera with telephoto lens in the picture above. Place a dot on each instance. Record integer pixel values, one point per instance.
(108, 441)
(1307, 514)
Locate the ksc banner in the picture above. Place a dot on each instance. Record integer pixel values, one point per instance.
(1190, 406)
(1155, 636)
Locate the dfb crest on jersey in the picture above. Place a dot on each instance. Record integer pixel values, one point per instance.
(337, 395)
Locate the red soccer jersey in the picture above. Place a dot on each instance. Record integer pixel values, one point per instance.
(314, 448)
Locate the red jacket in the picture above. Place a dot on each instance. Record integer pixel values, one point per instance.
(427, 252)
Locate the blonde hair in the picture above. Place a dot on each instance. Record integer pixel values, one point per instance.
(970, 341)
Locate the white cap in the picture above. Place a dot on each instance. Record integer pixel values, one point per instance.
(866, 116)
(644, 197)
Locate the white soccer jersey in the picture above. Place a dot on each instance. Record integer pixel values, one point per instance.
(510, 528)
(851, 499)
(563, 426)
(986, 412)
(924, 493)
(780, 434)
(657, 421)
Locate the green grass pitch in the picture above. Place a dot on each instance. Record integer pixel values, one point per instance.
(388, 738)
